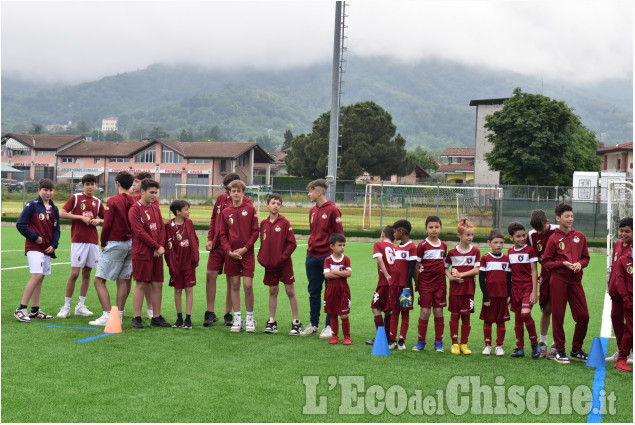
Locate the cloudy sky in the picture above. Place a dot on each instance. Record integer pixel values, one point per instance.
(72, 41)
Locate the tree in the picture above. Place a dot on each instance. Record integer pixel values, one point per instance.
(369, 144)
(157, 133)
(138, 133)
(425, 160)
(82, 127)
(288, 137)
(113, 136)
(36, 128)
(539, 141)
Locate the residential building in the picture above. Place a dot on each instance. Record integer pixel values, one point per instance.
(459, 168)
(482, 173)
(109, 124)
(618, 158)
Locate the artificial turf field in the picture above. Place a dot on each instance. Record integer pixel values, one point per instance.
(212, 375)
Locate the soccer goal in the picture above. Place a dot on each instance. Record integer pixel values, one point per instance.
(386, 203)
(619, 204)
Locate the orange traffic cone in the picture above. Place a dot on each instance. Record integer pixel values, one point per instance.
(113, 325)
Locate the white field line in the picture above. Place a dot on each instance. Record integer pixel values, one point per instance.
(605, 329)
(26, 267)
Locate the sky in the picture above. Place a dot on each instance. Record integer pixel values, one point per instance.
(581, 41)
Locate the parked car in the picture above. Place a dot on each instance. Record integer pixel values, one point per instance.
(12, 185)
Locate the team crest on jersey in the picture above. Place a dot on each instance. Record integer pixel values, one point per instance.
(82, 207)
(504, 266)
(521, 257)
(244, 212)
(169, 245)
(148, 216)
(41, 216)
(231, 221)
(179, 237)
(561, 245)
(576, 239)
(404, 255)
(469, 260)
(629, 269)
(264, 235)
(539, 247)
(277, 229)
(324, 216)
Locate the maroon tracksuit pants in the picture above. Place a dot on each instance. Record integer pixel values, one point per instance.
(562, 292)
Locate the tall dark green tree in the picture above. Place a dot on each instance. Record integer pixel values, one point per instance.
(36, 128)
(539, 141)
(369, 143)
(157, 133)
(424, 159)
(113, 136)
(288, 138)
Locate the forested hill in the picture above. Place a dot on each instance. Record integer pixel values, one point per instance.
(429, 100)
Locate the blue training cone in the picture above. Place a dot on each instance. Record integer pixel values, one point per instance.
(380, 346)
(597, 356)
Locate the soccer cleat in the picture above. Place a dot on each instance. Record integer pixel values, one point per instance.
(40, 315)
(392, 345)
(64, 313)
(309, 330)
(296, 328)
(518, 352)
(465, 350)
(552, 352)
(438, 346)
(334, 339)
(613, 358)
(623, 366)
(561, 357)
(579, 356)
(237, 325)
(100, 321)
(271, 327)
(187, 324)
(499, 351)
(160, 322)
(370, 342)
(137, 323)
(347, 340)
(455, 349)
(178, 323)
(250, 324)
(401, 345)
(81, 310)
(228, 319)
(326, 333)
(543, 349)
(535, 351)
(420, 346)
(22, 315)
(150, 313)
(488, 350)
(210, 317)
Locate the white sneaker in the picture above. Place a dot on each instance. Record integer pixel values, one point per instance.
(150, 313)
(64, 313)
(309, 330)
(488, 350)
(629, 359)
(613, 358)
(499, 351)
(250, 324)
(326, 333)
(237, 325)
(101, 321)
(81, 310)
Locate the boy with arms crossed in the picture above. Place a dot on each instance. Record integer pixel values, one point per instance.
(39, 223)
(135, 192)
(384, 253)
(277, 243)
(85, 213)
(337, 295)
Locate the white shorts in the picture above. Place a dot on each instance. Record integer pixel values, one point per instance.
(115, 261)
(84, 254)
(39, 263)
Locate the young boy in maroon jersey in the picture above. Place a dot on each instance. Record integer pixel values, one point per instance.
(148, 240)
(85, 213)
(622, 247)
(384, 253)
(181, 256)
(537, 239)
(495, 280)
(115, 261)
(431, 283)
(277, 243)
(624, 285)
(337, 295)
(324, 220)
(401, 283)
(523, 262)
(566, 254)
(216, 258)
(39, 223)
(135, 192)
(238, 234)
(464, 259)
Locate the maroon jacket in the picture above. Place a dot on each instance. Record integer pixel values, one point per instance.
(148, 230)
(618, 251)
(116, 225)
(181, 247)
(569, 247)
(238, 227)
(221, 203)
(623, 269)
(277, 242)
(323, 222)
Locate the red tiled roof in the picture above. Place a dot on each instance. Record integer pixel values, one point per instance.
(104, 149)
(458, 152)
(628, 146)
(466, 165)
(278, 157)
(44, 141)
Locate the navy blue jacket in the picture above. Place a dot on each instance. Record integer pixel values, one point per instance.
(34, 222)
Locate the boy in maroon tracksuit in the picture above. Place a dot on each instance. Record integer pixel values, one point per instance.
(181, 256)
(39, 223)
(277, 243)
(566, 254)
(148, 240)
(624, 284)
(238, 234)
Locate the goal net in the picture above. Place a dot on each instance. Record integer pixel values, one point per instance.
(385, 204)
(619, 205)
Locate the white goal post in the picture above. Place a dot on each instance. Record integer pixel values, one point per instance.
(619, 205)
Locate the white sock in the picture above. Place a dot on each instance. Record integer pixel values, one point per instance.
(271, 319)
(543, 338)
(67, 302)
(120, 313)
(107, 313)
(250, 314)
(81, 300)
(237, 315)
(296, 321)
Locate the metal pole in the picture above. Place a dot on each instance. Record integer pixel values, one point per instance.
(331, 175)
(438, 199)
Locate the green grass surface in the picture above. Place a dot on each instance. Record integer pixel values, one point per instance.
(212, 375)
